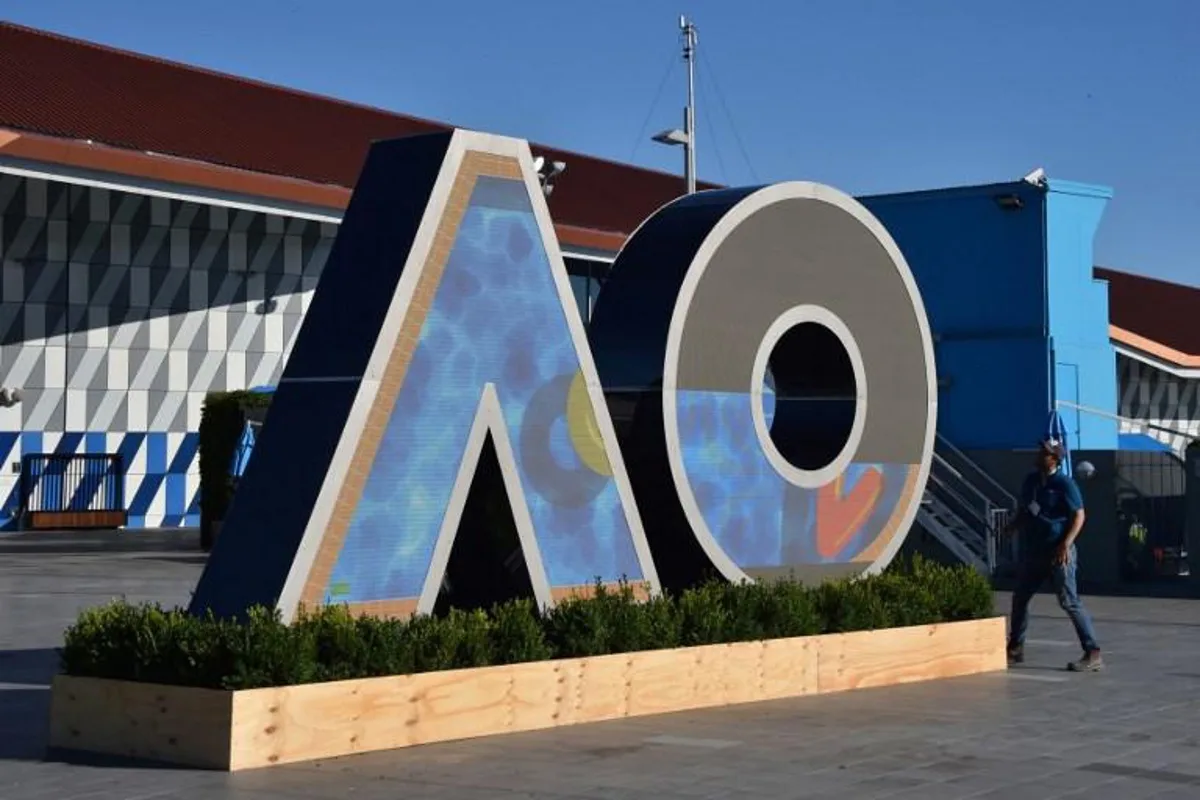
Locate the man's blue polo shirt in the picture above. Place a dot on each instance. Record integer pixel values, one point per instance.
(1050, 504)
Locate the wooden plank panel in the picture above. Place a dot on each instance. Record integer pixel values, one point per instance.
(740, 672)
(709, 664)
(789, 667)
(663, 681)
(460, 704)
(302, 723)
(597, 689)
(537, 694)
(297, 723)
(172, 724)
(904, 655)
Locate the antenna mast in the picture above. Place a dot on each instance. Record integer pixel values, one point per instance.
(688, 29)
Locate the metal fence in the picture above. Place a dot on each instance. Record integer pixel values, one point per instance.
(72, 490)
(1152, 513)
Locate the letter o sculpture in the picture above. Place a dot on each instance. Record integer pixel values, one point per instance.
(716, 298)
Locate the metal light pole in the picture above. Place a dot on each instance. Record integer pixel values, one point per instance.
(687, 136)
(689, 113)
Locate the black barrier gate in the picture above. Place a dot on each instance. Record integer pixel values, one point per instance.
(1152, 513)
(63, 490)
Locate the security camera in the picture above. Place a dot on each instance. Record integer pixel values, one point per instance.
(1037, 177)
(546, 175)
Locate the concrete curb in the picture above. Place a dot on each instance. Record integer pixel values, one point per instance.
(161, 540)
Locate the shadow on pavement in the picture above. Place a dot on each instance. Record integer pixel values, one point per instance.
(24, 723)
(32, 667)
(1182, 588)
(25, 702)
(25, 677)
(198, 559)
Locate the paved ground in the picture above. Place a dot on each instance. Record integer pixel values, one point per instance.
(1132, 732)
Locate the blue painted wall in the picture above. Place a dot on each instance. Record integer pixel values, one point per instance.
(1017, 319)
(981, 272)
(1085, 364)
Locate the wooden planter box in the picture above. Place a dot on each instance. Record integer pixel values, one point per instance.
(234, 730)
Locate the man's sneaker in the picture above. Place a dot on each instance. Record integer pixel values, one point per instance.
(1091, 662)
(1016, 655)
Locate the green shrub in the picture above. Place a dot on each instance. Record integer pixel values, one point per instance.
(578, 627)
(658, 624)
(387, 649)
(222, 420)
(778, 610)
(517, 634)
(611, 622)
(458, 640)
(852, 605)
(960, 594)
(147, 643)
(352, 647)
(704, 614)
(265, 652)
(141, 643)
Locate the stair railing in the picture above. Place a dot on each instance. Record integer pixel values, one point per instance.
(976, 497)
(999, 496)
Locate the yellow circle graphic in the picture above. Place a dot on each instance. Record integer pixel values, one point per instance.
(585, 433)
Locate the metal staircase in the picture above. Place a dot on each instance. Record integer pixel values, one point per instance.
(964, 542)
(966, 509)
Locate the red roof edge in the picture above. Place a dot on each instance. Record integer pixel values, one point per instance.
(185, 173)
(214, 73)
(1154, 316)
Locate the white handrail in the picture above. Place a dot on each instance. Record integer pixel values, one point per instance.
(974, 490)
(1130, 420)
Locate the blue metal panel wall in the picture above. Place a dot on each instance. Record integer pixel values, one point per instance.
(1084, 360)
(979, 261)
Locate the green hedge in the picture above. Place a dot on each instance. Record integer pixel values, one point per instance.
(222, 421)
(146, 643)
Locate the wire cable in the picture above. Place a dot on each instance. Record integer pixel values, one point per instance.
(706, 67)
(712, 132)
(662, 84)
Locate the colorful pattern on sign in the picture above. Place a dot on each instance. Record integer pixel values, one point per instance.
(757, 517)
(497, 319)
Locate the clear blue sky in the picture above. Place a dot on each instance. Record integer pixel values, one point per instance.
(867, 95)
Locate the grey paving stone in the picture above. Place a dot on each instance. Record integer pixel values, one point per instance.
(1175, 794)
(1038, 734)
(1119, 789)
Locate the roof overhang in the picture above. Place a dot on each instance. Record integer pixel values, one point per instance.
(154, 174)
(1156, 354)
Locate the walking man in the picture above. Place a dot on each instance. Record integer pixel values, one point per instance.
(1049, 520)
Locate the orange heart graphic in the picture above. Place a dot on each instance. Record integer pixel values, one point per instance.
(840, 516)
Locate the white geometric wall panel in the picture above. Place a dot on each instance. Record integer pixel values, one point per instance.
(1153, 395)
(118, 314)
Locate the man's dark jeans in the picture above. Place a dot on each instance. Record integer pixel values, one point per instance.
(1031, 574)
